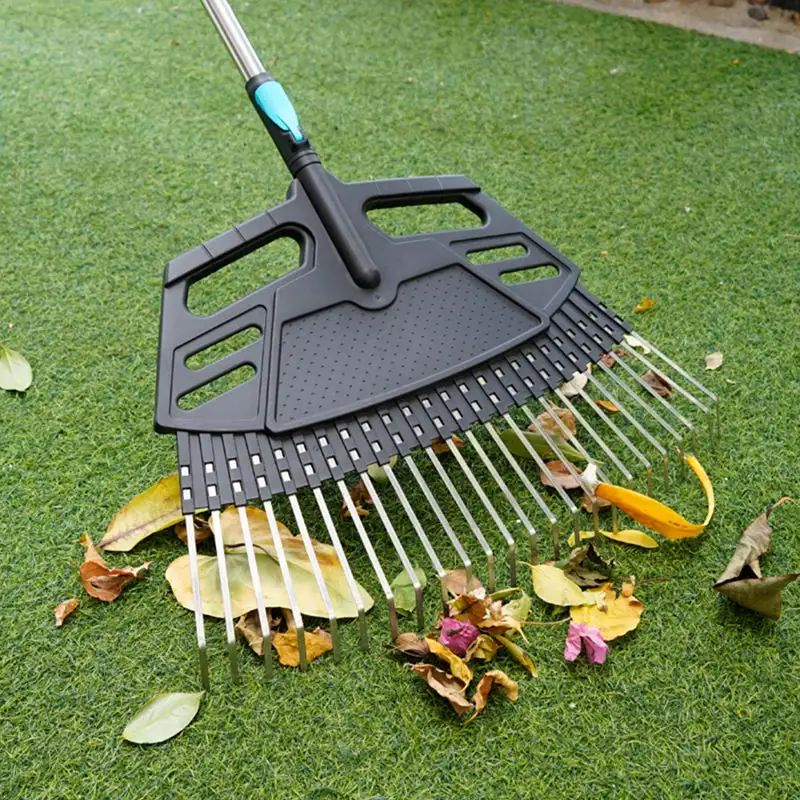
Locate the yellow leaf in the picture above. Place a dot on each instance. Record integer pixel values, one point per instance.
(519, 655)
(554, 587)
(494, 677)
(318, 642)
(607, 405)
(153, 510)
(644, 305)
(620, 614)
(655, 515)
(64, 609)
(584, 535)
(484, 647)
(458, 667)
(631, 536)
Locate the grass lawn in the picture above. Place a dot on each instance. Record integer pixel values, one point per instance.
(126, 139)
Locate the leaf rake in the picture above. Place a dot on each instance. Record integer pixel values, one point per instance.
(444, 346)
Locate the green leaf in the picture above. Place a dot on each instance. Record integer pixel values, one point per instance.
(153, 510)
(537, 442)
(15, 371)
(405, 598)
(163, 717)
(243, 598)
(378, 473)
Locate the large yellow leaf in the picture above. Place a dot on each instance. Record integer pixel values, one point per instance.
(655, 515)
(153, 510)
(554, 587)
(275, 596)
(614, 616)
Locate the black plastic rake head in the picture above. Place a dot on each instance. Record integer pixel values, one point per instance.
(376, 346)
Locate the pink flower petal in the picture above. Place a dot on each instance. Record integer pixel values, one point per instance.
(572, 648)
(596, 648)
(458, 635)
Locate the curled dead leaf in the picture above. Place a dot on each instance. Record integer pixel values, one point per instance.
(318, 642)
(440, 447)
(202, 530)
(360, 496)
(455, 581)
(64, 609)
(411, 645)
(249, 627)
(644, 305)
(458, 667)
(101, 581)
(559, 476)
(494, 677)
(550, 426)
(445, 685)
(658, 382)
(485, 648)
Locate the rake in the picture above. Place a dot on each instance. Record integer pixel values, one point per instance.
(448, 342)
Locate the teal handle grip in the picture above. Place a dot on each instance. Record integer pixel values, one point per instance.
(272, 99)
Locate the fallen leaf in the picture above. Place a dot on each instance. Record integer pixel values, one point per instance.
(249, 627)
(714, 360)
(586, 567)
(360, 496)
(644, 305)
(550, 426)
(559, 476)
(585, 636)
(440, 447)
(655, 515)
(485, 648)
(632, 536)
(554, 587)
(163, 717)
(607, 405)
(519, 655)
(583, 534)
(458, 667)
(153, 510)
(405, 598)
(455, 581)
(494, 677)
(730, 382)
(378, 473)
(513, 442)
(742, 580)
(518, 609)
(636, 343)
(233, 535)
(64, 609)
(586, 505)
(609, 361)
(445, 685)
(472, 606)
(575, 384)
(621, 615)
(101, 581)
(318, 642)
(458, 635)
(658, 382)
(412, 645)
(15, 372)
(241, 589)
(202, 530)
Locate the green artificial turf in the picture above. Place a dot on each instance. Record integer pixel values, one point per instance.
(126, 139)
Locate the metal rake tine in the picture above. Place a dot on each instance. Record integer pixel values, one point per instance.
(490, 509)
(621, 436)
(544, 508)
(199, 622)
(255, 579)
(398, 547)
(370, 550)
(465, 512)
(419, 530)
(317, 572)
(348, 573)
(503, 486)
(652, 392)
(595, 435)
(565, 498)
(443, 521)
(287, 583)
(230, 633)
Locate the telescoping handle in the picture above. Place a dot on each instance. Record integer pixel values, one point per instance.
(267, 95)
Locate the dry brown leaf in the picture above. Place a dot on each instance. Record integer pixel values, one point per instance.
(360, 496)
(658, 382)
(494, 677)
(550, 426)
(714, 360)
(485, 647)
(560, 476)
(64, 609)
(607, 405)
(318, 642)
(644, 305)
(411, 645)
(101, 581)
(250, 629)
(440, 447)
(455, 581)
(473, 606)
(202, 530)
(607, 360)
(445, 685)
